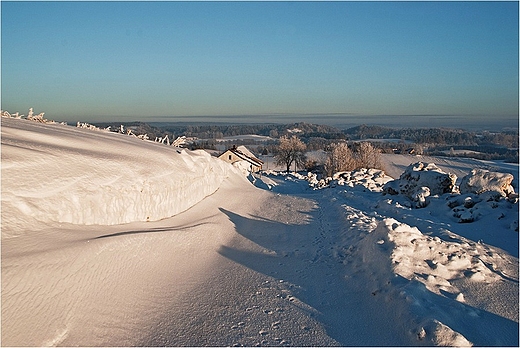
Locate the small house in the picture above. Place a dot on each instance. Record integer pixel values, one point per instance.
(241, 153)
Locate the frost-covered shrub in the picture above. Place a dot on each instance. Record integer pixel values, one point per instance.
(480, 181)
(86, 125)
(340, 159)
(421, 180)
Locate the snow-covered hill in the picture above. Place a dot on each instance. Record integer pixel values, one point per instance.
(110, 240)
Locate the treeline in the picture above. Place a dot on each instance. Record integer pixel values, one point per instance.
(217, 131)
(431, 141)
(323, 134)
(439, 136)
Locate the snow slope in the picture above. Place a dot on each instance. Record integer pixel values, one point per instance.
(108, 240)
(56, 173)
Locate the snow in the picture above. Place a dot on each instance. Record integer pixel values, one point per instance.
(245, 151)
(109, 240)
(480, 181)
(98, 178)
(420, 180)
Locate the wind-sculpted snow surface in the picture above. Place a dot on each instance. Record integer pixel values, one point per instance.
(61, 174)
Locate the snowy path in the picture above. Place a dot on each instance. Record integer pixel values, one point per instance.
(281, 283)
(305, 258)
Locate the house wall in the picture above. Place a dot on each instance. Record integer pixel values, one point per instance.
(230, 157)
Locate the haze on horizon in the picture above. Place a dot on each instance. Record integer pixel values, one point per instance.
(390, 63)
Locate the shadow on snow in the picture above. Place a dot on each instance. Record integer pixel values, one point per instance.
(350, 310)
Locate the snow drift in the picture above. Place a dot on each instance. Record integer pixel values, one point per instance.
(71, 181)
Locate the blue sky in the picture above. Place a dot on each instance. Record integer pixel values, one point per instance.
(135, 60)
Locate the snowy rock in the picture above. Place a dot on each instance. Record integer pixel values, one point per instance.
(446, 337)
(420, 197)
(372, 179)
(480, 181)
(421, 180)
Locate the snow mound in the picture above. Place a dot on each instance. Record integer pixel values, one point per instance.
(480, 181)
(446, 337)
(61, 174)
(401, 263)
(244, 167)
(435, 262)
(472, 207)
(421, 180)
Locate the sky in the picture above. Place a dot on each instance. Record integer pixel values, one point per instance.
(94, 61)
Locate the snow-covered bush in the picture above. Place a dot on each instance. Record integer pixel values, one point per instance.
(342, 158)
(38, 118)
(6, 114)
(179, 141)
(31, 117)
(368, 156)
(163, 140)
(421, 180)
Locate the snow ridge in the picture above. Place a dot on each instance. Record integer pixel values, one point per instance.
(98, 178)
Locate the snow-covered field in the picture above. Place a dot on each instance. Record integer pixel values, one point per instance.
(110, 240)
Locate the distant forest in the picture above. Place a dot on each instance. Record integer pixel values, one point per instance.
(432, 141)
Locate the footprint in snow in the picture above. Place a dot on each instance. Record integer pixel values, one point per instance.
(236, 326)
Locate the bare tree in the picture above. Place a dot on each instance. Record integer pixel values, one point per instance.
(368, 156)
(291, 150)
(341, 158)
